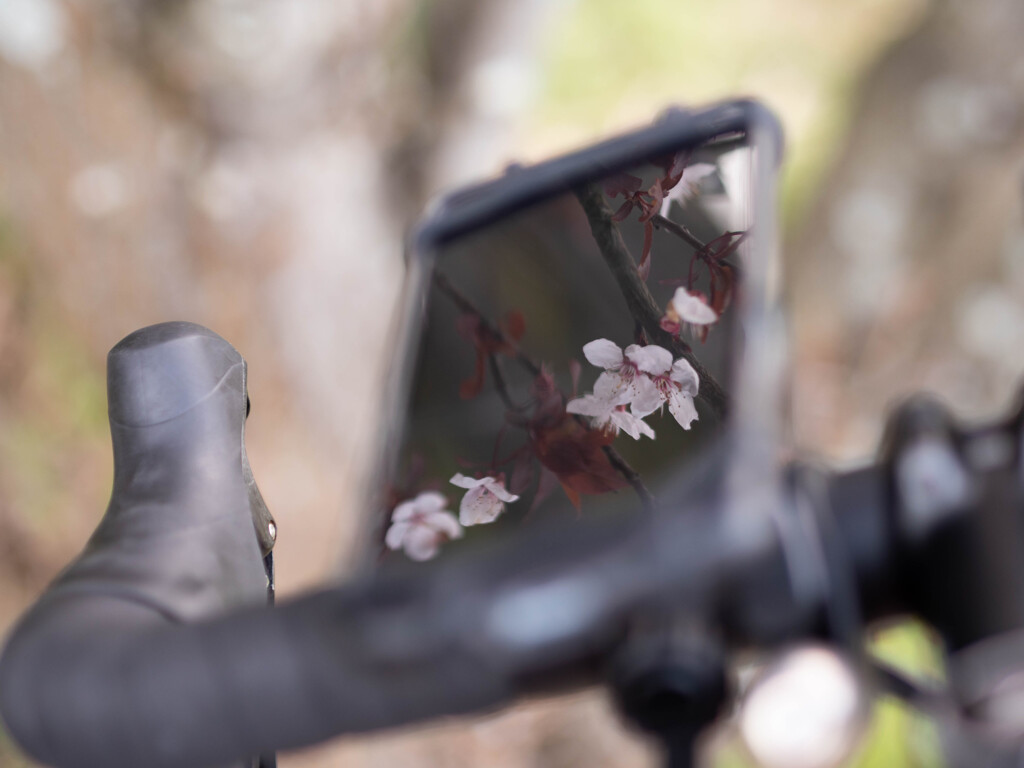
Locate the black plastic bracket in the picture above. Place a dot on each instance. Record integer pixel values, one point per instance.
(671, 683)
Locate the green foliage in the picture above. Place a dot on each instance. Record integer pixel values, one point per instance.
(609, 65)
(52, 394)
(10, 757)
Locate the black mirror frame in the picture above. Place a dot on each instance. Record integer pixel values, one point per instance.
(753, 438)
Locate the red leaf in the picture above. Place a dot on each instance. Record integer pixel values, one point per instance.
(675, 170)
(550, 407)
(673, 165)
(644, 268)
(722, 286)
(468, 326)
(724, 245)
(623, 211)
(566, 446)
(516, 420)
(574, 371)
(575, 454)
(515, 325)
(522, 473)
(653, 206)
(545, 485)
(574, 497)
(470, 388)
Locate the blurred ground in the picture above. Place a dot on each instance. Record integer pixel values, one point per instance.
(252, 165)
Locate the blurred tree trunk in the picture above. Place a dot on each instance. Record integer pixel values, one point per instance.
(252, 166)
(907, 273)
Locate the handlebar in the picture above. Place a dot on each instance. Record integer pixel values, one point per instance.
(156, 646)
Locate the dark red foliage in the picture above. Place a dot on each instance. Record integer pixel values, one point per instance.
(673, 166)
(547, 483)
(487, 342)
(522, 473)
(648, 202)
(574, 453)
(623, 211)
(567, 447)
(575, 369)
(644, 267)
(722, 274)
(515, 325)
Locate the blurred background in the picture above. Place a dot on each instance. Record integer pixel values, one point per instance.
(253, 166)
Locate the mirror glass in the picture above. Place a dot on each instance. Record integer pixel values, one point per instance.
(574, 356)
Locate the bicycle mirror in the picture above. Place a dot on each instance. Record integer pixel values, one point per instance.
(575, 335)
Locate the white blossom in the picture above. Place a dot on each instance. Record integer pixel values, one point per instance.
(625, 369)
(687, 185)
(421, 525)
(645, 379)
(690, 308)
(484, 501)
(677, 388)
(607, 409)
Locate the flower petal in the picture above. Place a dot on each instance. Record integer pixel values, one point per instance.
(648, 398)
(694, 173)
(421, 543)
(396, 534)
(612, 389)
(687, 185)
(479, 507)
(650, 359)
(428, 501)
(444, 523)
(603, 353)
(462, 481)
(680, 405)
(631, 425)
(600, 411)
(692, 309)
(684, 375)
(404, 511)
(497, 487)
(588, 405)
(666, 203)
(620, 420)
